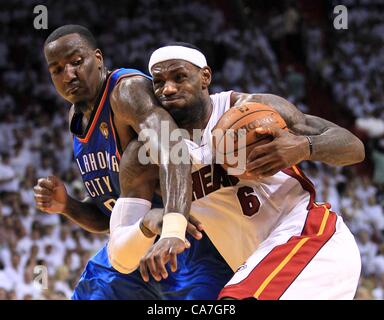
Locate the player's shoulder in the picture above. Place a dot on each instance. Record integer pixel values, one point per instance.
(221, 94)
(127, 75)
(132, 82)
(132, 94)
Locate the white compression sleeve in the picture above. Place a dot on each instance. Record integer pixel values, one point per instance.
(127, 243)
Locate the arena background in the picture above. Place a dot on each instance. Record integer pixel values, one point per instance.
(289, 48)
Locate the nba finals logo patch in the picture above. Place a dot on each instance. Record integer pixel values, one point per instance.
(104, 129)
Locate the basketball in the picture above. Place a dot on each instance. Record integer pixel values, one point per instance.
(235, 131)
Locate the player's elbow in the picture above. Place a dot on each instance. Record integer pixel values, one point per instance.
(360, 151)
(126, 246)
(118, 258)
(355, 153)
(120, 267)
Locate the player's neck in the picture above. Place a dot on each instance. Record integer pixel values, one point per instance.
(202, 122)
(87, 107)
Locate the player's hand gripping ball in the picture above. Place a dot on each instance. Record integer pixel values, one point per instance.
(234, 135)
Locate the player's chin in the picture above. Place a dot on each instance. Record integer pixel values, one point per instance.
(78, 99)
(179, 115)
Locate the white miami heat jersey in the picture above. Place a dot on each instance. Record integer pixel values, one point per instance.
(240, 214)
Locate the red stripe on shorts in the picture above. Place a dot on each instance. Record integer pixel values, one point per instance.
(280, 267)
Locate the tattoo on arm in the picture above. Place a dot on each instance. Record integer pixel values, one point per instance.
(287, 110)
(331, 144)
(134, 100)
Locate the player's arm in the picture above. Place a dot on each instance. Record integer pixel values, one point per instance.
(133, 225)
(134, 103)
(330, 143)
(51, 197)
(87, 215)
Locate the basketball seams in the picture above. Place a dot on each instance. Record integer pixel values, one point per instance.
(246, 115)
(256, 115)
(246, 119)
(239, 119)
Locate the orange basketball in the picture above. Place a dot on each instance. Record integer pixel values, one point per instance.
(234, 135)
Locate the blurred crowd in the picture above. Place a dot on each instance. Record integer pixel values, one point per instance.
(277, 49)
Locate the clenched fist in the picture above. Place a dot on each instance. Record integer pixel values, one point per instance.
(50, 195)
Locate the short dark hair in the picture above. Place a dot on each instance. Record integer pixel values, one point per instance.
(184, 44)
(69, 29)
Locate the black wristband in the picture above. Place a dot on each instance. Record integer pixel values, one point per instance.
(310, 145)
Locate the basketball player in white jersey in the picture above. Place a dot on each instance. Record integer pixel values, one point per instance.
(280, 243)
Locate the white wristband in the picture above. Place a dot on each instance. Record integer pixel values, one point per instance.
(174, 226)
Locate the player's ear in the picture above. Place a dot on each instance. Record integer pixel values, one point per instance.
(99, 58)
(206, 77)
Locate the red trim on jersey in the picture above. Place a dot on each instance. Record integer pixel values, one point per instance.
(280, 267)
(101, 104)
(114, 135)
(110, 116)
(99, 108)
(306, 184)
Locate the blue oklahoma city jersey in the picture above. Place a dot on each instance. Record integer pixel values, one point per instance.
(97, 151)
(201, 273)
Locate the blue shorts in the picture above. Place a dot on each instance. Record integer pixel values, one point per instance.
(200, 275)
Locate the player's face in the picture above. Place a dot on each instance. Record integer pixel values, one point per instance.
(74, 68)
(177, 84)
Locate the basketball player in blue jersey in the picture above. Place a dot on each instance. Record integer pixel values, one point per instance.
(108, 110)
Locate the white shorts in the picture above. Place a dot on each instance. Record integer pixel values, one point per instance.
(318, 259)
